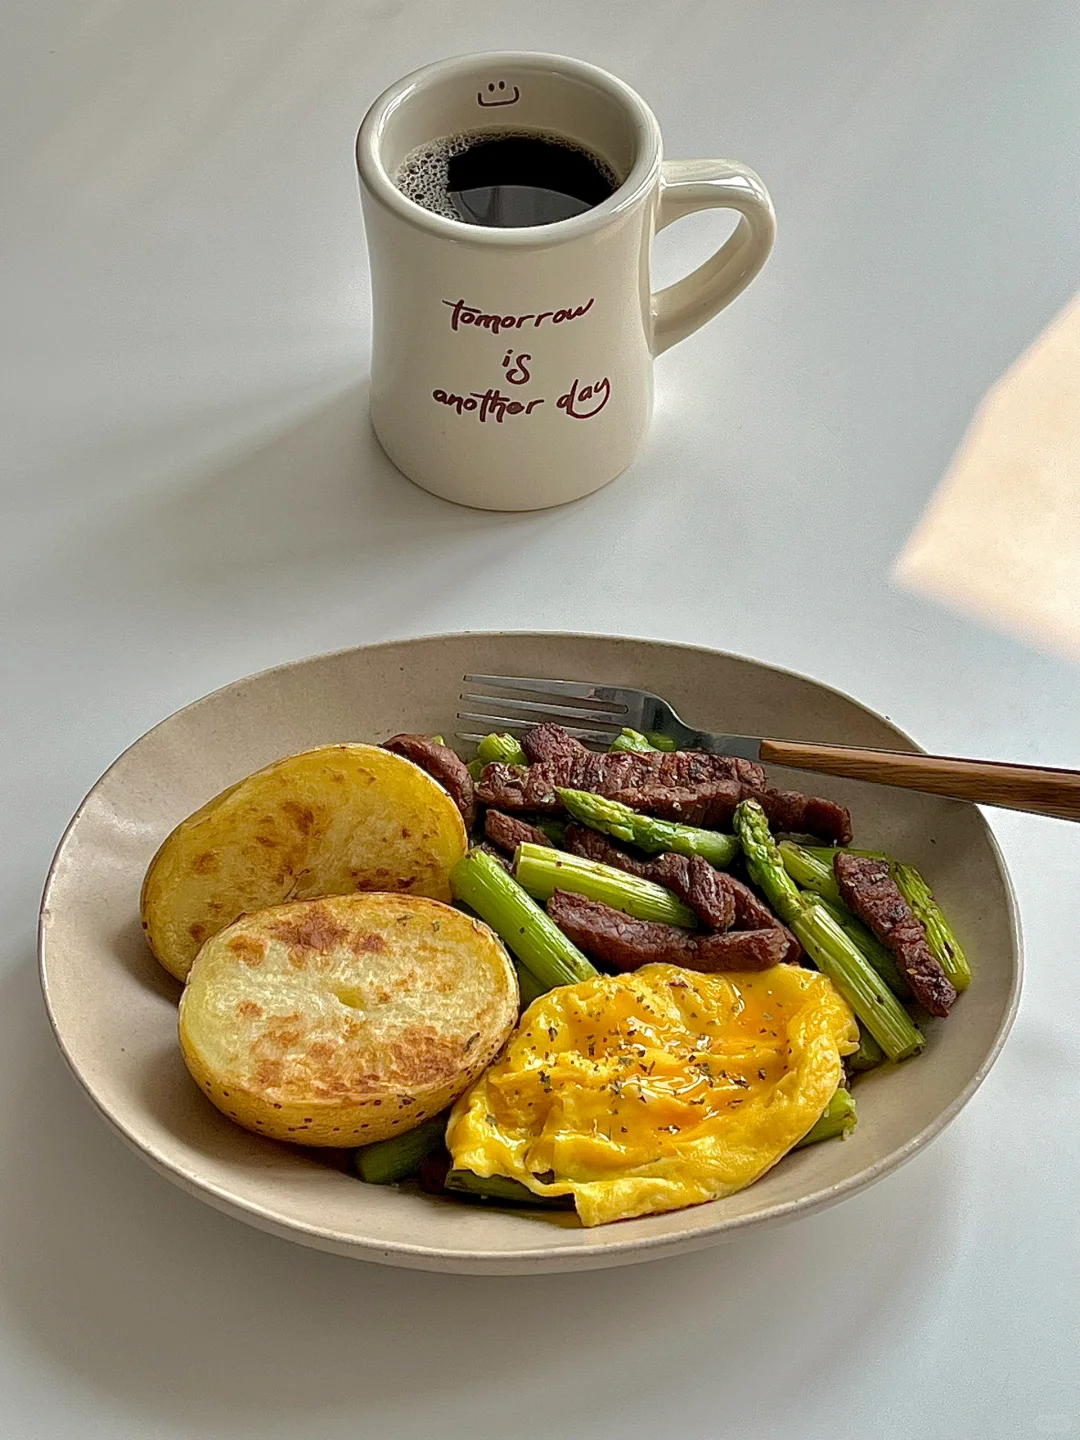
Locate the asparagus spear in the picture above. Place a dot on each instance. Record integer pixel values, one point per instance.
(825, 853)
(399, 1157)
(541, 871)
(813, 874)
(939, 933)
(869, 1053)
(809, 872)
(483, 885)
(630, 740)
(823, 940)
(660, 742)
(838, 1118)
(882, 959)
(634, 741)
(529, 988)
(500, 748)
(502, 1189)
(645, 831)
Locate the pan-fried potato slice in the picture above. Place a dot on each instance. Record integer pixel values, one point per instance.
(345, 1020)
(325, 822)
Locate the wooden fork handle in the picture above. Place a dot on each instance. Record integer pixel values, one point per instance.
(985, 782)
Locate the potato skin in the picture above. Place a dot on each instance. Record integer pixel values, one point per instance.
(328, 821)
(345, 1020)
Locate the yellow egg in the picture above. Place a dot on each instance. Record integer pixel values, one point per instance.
(662, 1088)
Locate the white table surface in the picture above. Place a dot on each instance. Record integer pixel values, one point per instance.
(191, 493)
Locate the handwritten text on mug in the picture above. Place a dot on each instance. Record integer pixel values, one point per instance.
(583, 400)
(462, 314)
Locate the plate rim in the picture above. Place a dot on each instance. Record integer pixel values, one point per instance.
(608, 1253)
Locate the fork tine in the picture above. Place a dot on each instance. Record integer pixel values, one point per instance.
(545, 710)
(519, 722)
(571, 689)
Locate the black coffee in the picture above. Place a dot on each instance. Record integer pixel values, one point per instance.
(505, 180)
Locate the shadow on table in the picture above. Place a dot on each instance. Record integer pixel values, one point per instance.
(269, 506)
(173, 1310)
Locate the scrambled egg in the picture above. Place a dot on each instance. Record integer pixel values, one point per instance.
(661, 1088)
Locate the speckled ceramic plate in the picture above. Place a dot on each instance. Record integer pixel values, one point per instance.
(114, 1009)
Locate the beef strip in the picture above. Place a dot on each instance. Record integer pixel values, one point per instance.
(870, 891)
(696, 882)
(749, 913)
(685, 785)
(753, 914)
(681, 784)
(714, 805)
(711, 805)
(443, 765)
(551, 742)
(807, 815)
(591, 845)
(533, 787)
(623, 943)
(508, 832)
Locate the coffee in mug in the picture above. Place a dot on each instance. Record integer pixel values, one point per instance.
(506, 180)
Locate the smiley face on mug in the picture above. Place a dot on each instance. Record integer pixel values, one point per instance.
(498, 93)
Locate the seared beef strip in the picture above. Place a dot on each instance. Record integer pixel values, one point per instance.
(443, 765)
(551, 742)
(532, 787)
(686, 785)
(508, 832)
(753, 914)
(749, 912)
(870, 891)
(681, 785)
(806, 815)
(591, 845)
(515, 787)
(623, 943)
(711, 804)
(696, 882)
(670, 769)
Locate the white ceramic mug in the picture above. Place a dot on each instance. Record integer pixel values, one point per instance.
(512, 368)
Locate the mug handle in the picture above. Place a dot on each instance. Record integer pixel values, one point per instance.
(690, 185)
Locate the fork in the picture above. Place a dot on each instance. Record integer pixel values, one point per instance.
(595, 714)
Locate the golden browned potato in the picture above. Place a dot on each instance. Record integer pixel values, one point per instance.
(325, 822)
(345, 1020)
